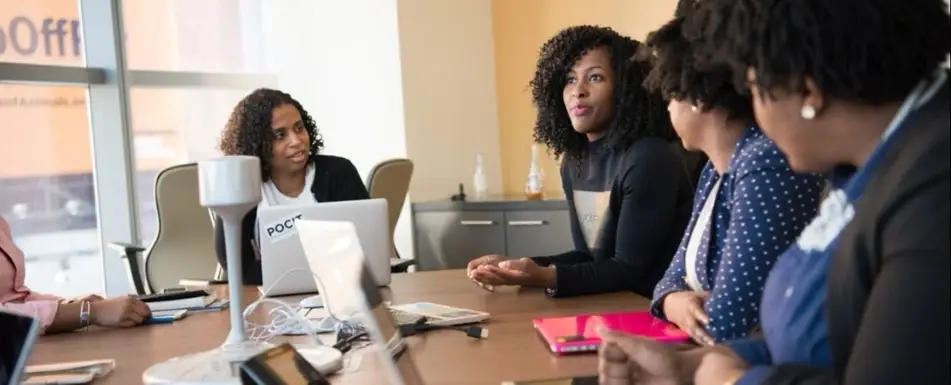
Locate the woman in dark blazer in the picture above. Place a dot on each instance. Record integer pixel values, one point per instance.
(272, 126)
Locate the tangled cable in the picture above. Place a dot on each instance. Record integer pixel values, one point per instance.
(286, 319)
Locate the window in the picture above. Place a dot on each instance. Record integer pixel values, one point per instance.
(221, 36)
(173, 126)
(48, 198)
(40, 32)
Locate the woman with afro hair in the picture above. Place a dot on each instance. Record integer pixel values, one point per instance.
(857, 89)
(272, 126)
(623, 173)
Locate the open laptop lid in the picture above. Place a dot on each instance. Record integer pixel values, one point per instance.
(335, 256)
(19, 334)
(281, 252)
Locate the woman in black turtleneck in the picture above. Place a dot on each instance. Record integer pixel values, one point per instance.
(623, 173)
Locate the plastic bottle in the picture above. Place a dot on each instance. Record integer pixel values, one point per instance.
(534, 186)
(478, 180)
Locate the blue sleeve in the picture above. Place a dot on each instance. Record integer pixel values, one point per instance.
(752, 350)
(673, 280)
(770, 207)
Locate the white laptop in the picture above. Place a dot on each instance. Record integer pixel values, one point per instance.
(16, 343)
(282, 252)
(330, 244)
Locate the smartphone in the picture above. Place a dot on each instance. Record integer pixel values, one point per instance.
(165, 316)
(280, 365)
(590, 380)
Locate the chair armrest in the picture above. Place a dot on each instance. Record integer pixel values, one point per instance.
(130, 254)
(400, 265)
(127, 249)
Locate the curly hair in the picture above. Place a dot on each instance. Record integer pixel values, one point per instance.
(248, 131)
(675, 74)
(866, 51)
(637, 112)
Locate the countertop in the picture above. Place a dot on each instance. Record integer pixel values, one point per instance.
(493, 203)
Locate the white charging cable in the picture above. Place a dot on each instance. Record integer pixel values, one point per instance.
(286, 319)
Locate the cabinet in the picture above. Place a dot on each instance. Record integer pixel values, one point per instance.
(447, 235)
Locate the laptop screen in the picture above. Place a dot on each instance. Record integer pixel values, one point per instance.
(16, 342)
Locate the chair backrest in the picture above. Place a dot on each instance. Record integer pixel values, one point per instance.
(389, 180)
(184, 245)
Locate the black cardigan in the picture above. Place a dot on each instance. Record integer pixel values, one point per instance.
(890, 277)
(335, 179)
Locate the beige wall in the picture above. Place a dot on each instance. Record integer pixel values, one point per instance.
(520, 27)
(449, 96)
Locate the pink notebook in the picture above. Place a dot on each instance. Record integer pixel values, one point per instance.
(578, 334)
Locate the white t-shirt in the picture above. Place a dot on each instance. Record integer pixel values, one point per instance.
(271, 196)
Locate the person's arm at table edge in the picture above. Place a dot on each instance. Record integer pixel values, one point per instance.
(54, 316)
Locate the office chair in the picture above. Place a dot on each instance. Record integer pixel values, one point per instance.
(184, 244)
(390, 179)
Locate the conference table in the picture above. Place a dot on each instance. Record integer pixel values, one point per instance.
(513, 350)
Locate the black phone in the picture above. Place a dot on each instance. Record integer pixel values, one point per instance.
(280, 365)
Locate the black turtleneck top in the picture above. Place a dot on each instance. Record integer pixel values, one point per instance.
(629, 208)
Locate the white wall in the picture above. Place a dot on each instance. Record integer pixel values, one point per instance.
(341, 60)
(395, 78)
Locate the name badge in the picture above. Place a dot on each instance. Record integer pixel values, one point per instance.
(283, 228)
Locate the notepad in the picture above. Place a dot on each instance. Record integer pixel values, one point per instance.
(578, 334)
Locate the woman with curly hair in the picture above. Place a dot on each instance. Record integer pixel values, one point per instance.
(712, 288)
(857, 88)
(272, 126)
(623, 174)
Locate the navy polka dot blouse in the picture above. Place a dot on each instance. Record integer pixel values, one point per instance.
(761, 208)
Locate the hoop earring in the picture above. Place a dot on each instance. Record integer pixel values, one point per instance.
(808, 112)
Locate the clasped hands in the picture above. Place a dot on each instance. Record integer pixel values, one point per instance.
(496, 270)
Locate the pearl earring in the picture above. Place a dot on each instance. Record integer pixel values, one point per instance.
(808, 112)
(694, 108)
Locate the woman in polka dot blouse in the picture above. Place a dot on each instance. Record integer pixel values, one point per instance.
(748, 208)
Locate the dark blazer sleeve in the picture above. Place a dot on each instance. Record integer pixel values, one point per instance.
(903, 337)
(648, 210)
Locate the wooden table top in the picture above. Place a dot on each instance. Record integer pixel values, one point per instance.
(513, 351)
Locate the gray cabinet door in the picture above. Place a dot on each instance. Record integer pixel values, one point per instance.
(450, 239)
(535, 233)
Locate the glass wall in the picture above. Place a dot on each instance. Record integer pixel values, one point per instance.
(95, 98)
